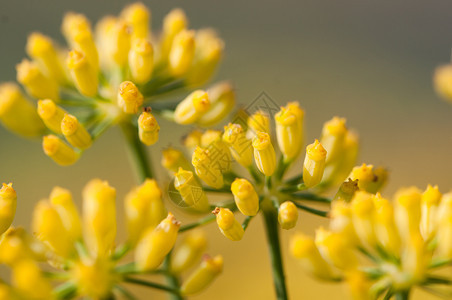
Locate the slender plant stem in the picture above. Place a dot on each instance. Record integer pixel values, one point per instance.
(403, 295)
(246, 222)
(171, 279)
(137, 152)
(128, 295)
(200, 222)
(312, 210)
(272, 231)
(153, 285)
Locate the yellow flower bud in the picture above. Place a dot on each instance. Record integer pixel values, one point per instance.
(287, 215)
(141, 60)
(222, 100)
(264, 153)
(190, 109)
(144, 209)
(334, 249)
(363, 210)
(384, 226)
(94, 278)
(289, 131)
(56, 149)
(342, 222)
(49, 228)
(51, 114)
(35, 82)
(258, 122)
(228, 225)
(148, 128)
(333, 134)
(408, 211)
(218, 149)
(83, 73)
(346, 190)
(430, 201)
(28, 279)
(304, 249)
(208, 169)
(245, 197)
(182, 52)
(138, 16)
(99, 217)
(189, 252)
(415, 259)
(8, 204)
(129, 97)
(314, 164)
(77, 31)
(61, 200)
(192, 140)
(190, 190)
(359, 285)
(14, 246)
(365, 176)
(209, 269)
(173, 159)
(41, 49)
(17, 113)
(239, 145)
(444, 227)
(156, 243)
(174, 22)
(443, 81)
(208, 53)
(75, 133)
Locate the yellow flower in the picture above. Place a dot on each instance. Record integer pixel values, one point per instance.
(192, 107)
(314, 164)
(138, 17)
(289, 130)
(75, 133)
(29, 280)
(83, 73)
(56, 149)
(99, 217)
(17, 113)
(228, 225)
(258, 122)
(129, 97)
(182, 52)
(333, 134)
(148, 128)
(222, 100)
(144, 209)
(173, 159)
(239, 145)
(245, 197)
(51, 115)
(8, 204)
(156, 243)
(209, 269)
(207, 168)
(264, 153)
(430, 201)
(61, 200)
(35, 82)
(141, 60)
(189, 252)
(287, 215)
(174, 22)
(190, 190)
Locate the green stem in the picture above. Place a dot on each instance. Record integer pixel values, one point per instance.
(153, 285)
(137, 152)
(200, 222)
(272, 231)
(171, 279)
(402, 295)
(66, 290)
(246, 222)
(312, 210)
(128, 295)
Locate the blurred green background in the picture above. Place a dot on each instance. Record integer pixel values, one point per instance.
(369, 61)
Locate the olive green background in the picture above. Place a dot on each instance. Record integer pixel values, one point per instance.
(369, 61)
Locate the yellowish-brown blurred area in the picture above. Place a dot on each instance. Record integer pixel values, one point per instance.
(369, 61)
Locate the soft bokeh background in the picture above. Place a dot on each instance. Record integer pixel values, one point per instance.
(369, 61)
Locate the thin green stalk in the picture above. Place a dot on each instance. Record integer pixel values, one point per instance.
(66, 290)
(128, 295)
(171, 279)
(311, 197)
(137, 152)
(402, 295)
(200, 222)
(154, 285)
(272, 231)
(312, 210)
(246, 222)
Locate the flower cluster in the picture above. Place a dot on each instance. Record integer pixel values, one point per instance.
(381, 247)
(107, 75)
(81, 250)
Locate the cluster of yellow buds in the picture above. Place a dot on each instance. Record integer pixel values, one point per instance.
(82, 251)
(381, 247)
(108, 75)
